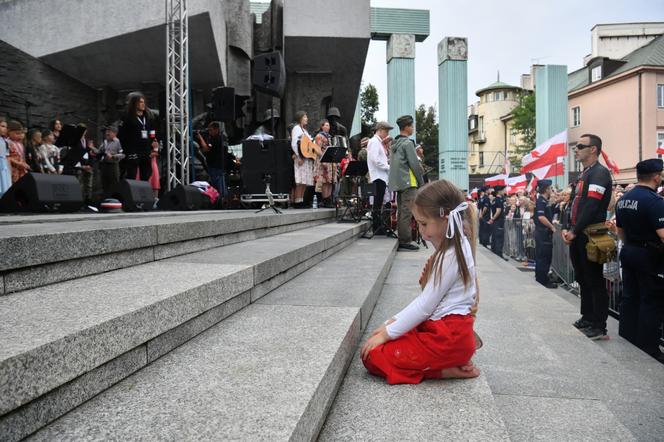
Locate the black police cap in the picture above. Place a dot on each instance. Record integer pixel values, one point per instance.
(652, 165)
(543, 184)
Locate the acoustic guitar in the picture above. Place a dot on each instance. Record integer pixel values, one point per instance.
(309, 149)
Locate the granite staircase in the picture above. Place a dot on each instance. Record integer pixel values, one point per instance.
(219, 325)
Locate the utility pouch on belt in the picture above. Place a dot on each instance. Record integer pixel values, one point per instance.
(601, 248)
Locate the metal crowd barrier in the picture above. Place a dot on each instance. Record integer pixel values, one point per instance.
(519, 243)
(561, 264)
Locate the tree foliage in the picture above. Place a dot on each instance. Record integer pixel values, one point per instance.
(524, 123)
(369, 104)
(427, 135)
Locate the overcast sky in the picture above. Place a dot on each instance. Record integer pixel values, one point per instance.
(505, 35)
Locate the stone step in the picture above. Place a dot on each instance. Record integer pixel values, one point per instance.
(35, 253)
(268, 372)
(367, 408)
(549, 381)
(64, 343)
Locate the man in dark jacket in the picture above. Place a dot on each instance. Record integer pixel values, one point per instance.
(590, 201)
(406, 175)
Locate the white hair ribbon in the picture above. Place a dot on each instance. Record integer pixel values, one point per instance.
(454, 221)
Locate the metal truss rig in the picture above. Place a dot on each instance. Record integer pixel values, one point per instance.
(177, 93)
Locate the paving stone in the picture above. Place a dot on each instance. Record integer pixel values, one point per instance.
(561, 419)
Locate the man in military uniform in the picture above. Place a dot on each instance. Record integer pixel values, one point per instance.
(485, 215)
(590, 201)
(497, 221)
(640, 222)
(336, 128)
(544, 231)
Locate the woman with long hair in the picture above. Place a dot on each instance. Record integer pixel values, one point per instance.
(304, 167)
(138, 137)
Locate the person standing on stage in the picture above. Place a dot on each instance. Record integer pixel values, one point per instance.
(304, 167)
(336, 128)
(379, 168)
(544, 230)
(406, 176)
(138, 138)
(640, 222)
(590, 201)
(214, 148)
(497, 221)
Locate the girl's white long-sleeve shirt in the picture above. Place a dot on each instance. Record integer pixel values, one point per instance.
(296, 134)
(448, 296)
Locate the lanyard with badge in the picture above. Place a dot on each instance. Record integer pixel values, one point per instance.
(144, 132)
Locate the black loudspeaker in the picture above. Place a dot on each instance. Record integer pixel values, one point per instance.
(270, 73)
(39, 192)
(273, 158)
(184, 198)
(134, 195)
(223, 103)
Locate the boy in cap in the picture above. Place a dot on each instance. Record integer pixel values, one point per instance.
(544, 230)
(640, 223)
(406, 175)
(378, 169)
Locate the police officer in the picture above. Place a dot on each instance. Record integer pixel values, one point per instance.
(485, 215)
(640, 222)
(544, 231)
(480, 209)
(497, 221)
(590, 201)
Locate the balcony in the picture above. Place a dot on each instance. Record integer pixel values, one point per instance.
(480, 137)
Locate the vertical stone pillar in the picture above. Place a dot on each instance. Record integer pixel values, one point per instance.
(400, 78)
(551, 108)
(452, 110)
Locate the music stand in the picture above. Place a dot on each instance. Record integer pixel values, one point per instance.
(353, 206)
(334, 154)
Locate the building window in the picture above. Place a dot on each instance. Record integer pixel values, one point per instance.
(513, 138)
(596, 73)
(497, 96)
(576, 116)
(481, 124)
(660, 142)
(481, 159)
(472, 123)
(660, 95)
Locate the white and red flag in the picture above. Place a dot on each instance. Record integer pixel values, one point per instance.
(551, 170)
(496, 180)
(532, 184)
(660, 149)
(517, 181)
(546, 153)
(613, 167)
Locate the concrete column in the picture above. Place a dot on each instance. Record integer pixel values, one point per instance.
(452, 110)
(356, 127)
(551, 107)
(400, 78)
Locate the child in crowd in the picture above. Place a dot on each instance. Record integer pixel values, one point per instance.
(432, 338)
(49, 153)
(16, 156)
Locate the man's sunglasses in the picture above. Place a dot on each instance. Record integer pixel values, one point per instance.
(580, 146)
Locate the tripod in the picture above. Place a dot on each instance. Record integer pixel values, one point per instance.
(270, 197)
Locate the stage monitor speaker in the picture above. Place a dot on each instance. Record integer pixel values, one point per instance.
(223, 103)
(184, 198)
(269, 74)
(260, 159)
(39, 192)
(135, 196)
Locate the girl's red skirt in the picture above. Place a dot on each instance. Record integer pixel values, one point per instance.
(424, 351)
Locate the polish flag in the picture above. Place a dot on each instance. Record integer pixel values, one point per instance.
(546, 153)
(555, 169)
(660, 149)
(596, 191)
(514, 189)
(473, 192)
(532, 184)
(496, 180)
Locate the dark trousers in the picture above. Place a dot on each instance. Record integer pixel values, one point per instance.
(218, 180)
(642, 302)
(377, 210)
(485, 232)
(110, 176)
(497, 238)
(594, 299)
(543, 254)
(142, 164)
